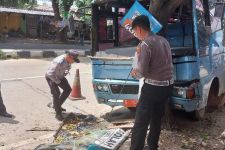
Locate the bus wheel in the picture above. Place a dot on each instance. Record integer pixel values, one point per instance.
(213, 98)
(198, 114)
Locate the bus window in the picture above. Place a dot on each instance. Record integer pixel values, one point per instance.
(217, 15)
(204, 30)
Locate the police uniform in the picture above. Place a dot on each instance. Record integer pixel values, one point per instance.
(155, 65)
(55, 77)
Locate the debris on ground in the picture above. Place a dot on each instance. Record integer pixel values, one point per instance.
(206, 134)
(82, 132)
(40, 129)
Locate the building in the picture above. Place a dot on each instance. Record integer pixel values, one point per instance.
(23, 22)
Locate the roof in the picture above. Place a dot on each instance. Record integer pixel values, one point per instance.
(104, 1)
(45, 8)
(24, 11)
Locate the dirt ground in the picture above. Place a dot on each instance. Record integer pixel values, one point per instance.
(185, 133)
(193, 135)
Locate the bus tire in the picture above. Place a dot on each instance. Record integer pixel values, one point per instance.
(198, 114)
(213, 98)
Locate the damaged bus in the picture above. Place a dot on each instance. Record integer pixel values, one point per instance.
(196, 36)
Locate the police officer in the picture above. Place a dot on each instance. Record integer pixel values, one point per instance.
(155, 65)
(55, 77)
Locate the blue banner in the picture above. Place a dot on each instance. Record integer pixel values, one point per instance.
(136, 10)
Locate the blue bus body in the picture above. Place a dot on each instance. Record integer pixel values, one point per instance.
(199, 64)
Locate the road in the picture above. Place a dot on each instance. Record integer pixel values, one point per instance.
(25, 93)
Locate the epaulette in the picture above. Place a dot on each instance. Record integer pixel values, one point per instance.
(144, 43)
(60, 61)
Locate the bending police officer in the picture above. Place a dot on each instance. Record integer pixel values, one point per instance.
(55, 77)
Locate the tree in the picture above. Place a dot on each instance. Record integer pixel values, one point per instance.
(29, 4)
(163, 9)
(61, 9)
(81, 4)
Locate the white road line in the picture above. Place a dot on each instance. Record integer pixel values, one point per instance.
(26, 142)
(35, 77)
(18, 79)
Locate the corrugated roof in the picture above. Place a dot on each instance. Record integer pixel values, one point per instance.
(45, 8)
(23, 11)
(104, 1)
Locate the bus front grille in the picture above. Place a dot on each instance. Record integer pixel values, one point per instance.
(124, 89)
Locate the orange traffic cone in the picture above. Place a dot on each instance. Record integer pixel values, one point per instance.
(76, 89)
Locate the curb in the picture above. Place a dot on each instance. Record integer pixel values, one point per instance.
(38, 53)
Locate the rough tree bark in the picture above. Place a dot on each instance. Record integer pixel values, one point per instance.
(61, 35)
(163, 9)
(55, 6)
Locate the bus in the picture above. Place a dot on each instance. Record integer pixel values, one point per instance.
(196, 35)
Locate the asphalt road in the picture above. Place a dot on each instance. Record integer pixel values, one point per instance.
(25, 93)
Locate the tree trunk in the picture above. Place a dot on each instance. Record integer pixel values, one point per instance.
(60, 35)
(168, 121)
(55, 6)
(163, 9)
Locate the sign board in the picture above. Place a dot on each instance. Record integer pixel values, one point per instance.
(112, 139)
(136, 10)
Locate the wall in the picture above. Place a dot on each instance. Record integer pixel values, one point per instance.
(14, 21)
(3, 22)
(11, 20)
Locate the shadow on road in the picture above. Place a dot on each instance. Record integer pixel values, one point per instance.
(8, 120)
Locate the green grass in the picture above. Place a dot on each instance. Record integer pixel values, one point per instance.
(2, 55)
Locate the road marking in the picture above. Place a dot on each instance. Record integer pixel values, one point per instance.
(35, 77)
(26, 142)
(19, 79)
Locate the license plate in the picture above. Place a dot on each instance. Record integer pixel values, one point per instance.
(112, 139)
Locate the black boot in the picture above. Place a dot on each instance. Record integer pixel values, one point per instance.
(50, 105)
(6, 115)
(59, 117)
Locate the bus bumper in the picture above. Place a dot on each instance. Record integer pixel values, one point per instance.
(185, 104)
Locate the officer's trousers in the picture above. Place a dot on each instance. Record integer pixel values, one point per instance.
(150, 110)
(59, 98)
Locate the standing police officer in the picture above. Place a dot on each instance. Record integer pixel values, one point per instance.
(155, 66)
(55, 77)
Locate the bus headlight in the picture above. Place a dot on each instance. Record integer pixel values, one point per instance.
(184, 92)
(102, 87)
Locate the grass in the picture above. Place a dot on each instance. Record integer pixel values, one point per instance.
(2, 55)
